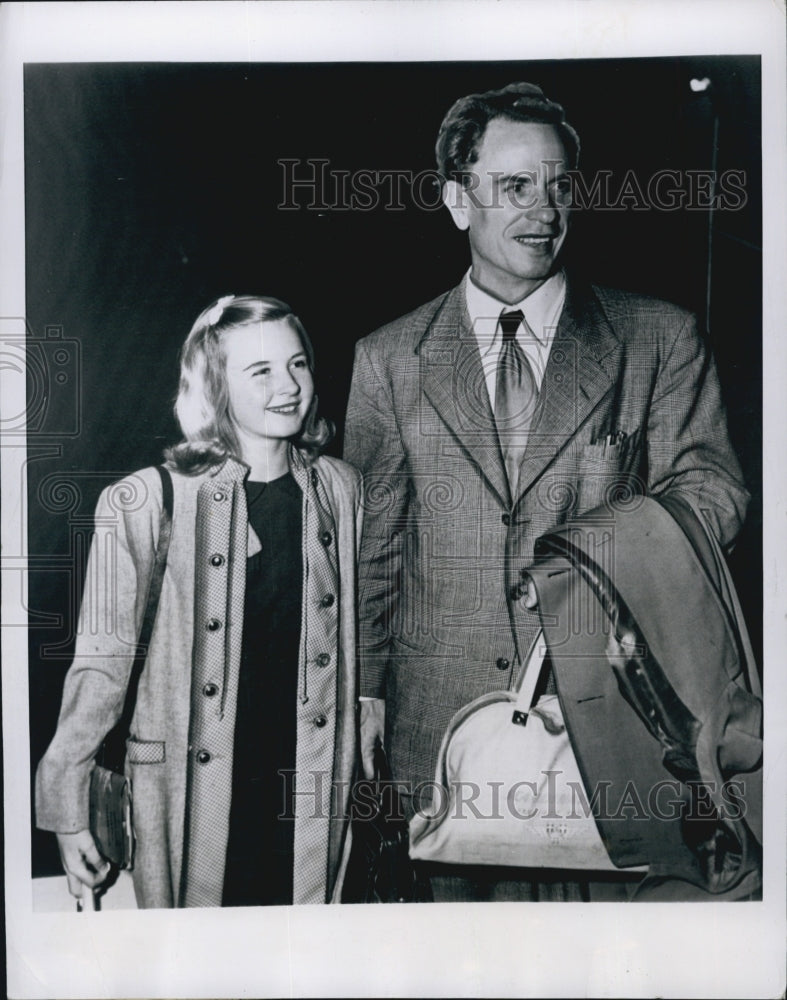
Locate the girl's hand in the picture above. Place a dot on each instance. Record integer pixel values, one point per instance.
(83, 864)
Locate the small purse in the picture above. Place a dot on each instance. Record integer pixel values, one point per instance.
(512, 791)
(110, 799)
(111, 821)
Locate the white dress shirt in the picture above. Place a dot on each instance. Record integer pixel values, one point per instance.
(541, 309)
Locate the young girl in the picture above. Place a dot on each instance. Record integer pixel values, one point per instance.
(242, 744)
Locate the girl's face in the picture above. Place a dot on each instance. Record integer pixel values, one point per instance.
(269, 381)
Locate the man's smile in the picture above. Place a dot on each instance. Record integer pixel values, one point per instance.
(534, 240)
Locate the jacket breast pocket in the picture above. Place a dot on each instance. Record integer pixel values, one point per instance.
(145, 751)
(607, 474)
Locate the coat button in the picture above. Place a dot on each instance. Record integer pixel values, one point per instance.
(320, 721)
(203, 756)
(502, 663)
(506, 519)
(323, 659)
(327, 600)
(326, 538)
(212, 624)
(217, 560)
(218, 496)
(209, 690)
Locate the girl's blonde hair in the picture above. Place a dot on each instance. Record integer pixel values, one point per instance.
(202, 404)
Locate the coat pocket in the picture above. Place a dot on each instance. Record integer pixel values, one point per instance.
(607, 475)
(145, 751)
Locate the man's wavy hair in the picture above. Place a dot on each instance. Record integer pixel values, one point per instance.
(463, 128)
(202, 404)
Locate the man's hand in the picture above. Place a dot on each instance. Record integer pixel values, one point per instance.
(620, 649)
(528, 590)
(83, 864)
(372, 731)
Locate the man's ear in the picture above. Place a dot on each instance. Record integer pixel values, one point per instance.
(455, 200)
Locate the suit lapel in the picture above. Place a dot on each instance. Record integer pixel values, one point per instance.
(581, 369)
(453, 380)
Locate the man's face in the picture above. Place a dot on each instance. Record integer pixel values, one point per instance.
(515, 207)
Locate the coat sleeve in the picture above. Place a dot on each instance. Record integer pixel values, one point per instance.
(373, 444)
(689, 450)
(119, 566)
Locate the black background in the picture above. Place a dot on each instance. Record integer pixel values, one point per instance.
(150, 189)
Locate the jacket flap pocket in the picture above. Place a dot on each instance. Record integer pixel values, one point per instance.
(145, 751)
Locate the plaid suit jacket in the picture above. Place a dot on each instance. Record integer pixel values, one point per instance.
(444, 541)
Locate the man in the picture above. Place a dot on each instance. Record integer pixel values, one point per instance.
(522, 397)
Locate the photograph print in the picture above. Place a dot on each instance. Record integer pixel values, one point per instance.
(394, 481)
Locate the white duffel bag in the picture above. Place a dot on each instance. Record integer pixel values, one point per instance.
(507, 787)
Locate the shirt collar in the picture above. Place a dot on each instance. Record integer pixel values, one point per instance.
(541, 307)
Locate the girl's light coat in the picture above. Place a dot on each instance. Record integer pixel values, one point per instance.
(181, 747)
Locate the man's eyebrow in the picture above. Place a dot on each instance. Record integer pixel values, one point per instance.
(505, 178)
(562, 171)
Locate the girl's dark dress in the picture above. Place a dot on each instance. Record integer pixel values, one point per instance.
(260, 848)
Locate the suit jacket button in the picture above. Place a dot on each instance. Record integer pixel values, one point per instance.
(218, 496)
(326, 538)
(217, 560)
(203, 756)
(323, 659)
(327, 600)
(506, 519)
(212, 624)
(320, 721)
(209, 690)
(502, 663)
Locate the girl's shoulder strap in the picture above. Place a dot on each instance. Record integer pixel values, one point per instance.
(167, 491)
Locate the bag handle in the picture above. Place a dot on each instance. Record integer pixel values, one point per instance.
(530, 674)
(113, 752)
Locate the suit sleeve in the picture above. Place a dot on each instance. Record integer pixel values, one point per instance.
(373, 444)
(689, 450)
(119, 567)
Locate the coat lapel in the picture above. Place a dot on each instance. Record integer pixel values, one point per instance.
(581, 369)
(452, 379)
